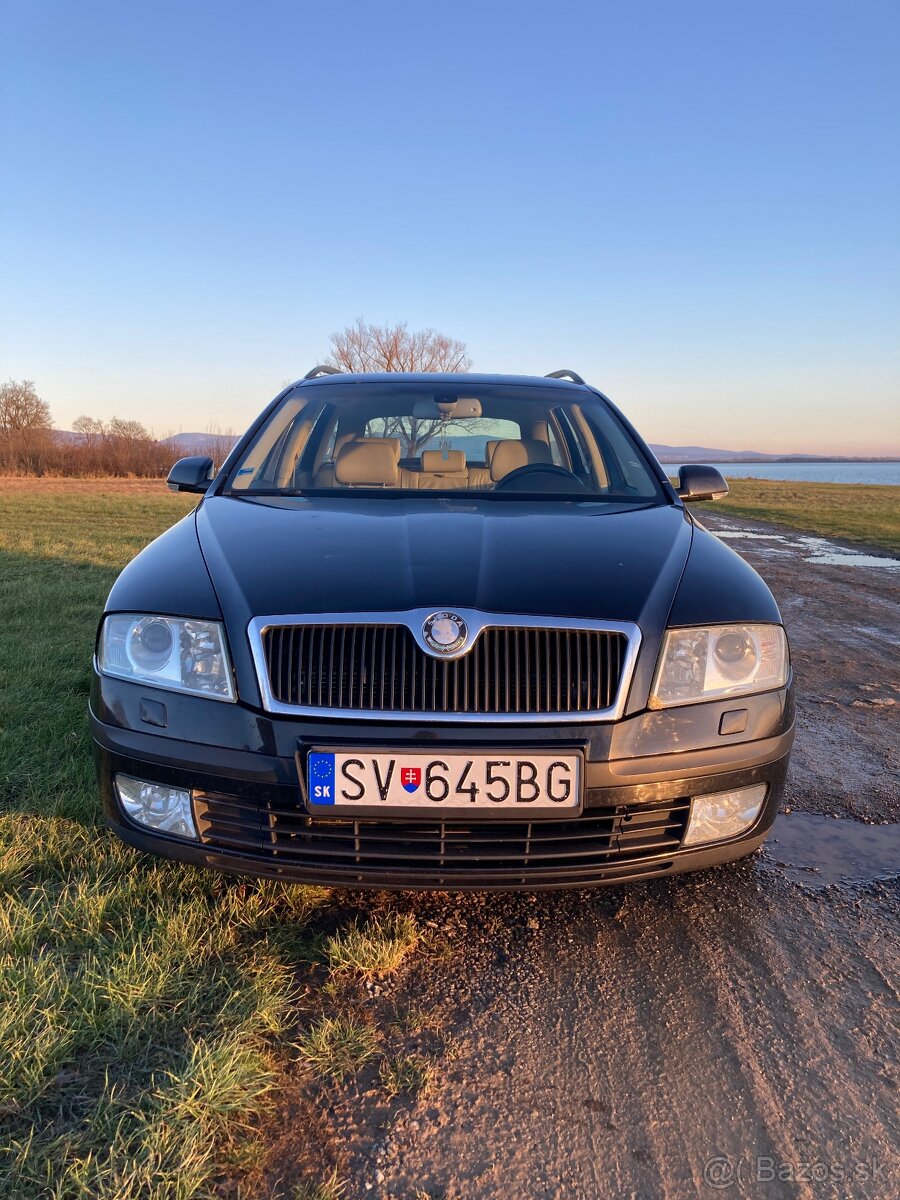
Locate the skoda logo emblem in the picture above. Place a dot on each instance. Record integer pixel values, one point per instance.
(445, 632)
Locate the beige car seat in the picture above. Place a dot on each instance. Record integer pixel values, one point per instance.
(510, 455)
(371, 462)
(440, 472)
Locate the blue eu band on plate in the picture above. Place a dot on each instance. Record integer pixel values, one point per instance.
(321, 778)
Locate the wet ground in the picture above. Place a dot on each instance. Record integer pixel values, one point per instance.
(731, 1032)
(819, 851)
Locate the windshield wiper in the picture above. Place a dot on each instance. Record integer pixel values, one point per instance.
(248, 494)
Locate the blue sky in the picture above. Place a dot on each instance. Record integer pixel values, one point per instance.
(694, 205)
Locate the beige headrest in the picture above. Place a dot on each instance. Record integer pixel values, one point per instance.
(509, 456)
(489, 448)
(372, 461)
(394, 444)
(434, 461)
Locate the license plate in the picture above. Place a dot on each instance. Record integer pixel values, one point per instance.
(495, 784)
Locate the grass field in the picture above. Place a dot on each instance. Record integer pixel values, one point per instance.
(149, 1013)
(854, 512)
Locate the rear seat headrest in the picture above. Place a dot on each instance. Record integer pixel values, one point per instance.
(372, 461)
(394, 444)
(510, 455)
(434, 462)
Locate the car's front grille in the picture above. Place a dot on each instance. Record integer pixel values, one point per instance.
(599, 844)
(381, 668)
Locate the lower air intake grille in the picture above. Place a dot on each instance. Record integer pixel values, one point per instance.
(593, 846)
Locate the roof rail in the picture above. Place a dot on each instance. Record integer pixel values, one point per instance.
(565, 374)
(322, 369)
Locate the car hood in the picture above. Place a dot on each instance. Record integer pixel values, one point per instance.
(276, 556)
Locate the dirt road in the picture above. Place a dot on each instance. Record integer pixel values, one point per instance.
(732, 1032)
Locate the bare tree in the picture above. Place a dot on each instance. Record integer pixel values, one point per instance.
(364, 347)
(89, 429)
(25, 432)
(129, 431)
(21, 408)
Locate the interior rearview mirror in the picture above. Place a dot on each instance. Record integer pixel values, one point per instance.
(447, 406)
(191, 474)
(700, 483)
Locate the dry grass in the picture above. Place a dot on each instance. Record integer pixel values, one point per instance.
(406, 1074)
(377, 948)
(331, 1188)
(142, 1005)
(55, 485)
(854, 512)
(338, 1046)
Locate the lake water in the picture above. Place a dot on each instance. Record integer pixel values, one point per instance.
(820, 472)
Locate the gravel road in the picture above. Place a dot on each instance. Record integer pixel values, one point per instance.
(734, 1031)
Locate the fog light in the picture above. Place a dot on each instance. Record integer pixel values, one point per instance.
(156, 806)
(722, 815)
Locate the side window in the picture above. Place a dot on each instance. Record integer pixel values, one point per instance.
(559, 459)
(580, 460)
(330, 441)
(273, 457)
(626, 470)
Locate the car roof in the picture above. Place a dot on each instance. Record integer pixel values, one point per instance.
(450, 378)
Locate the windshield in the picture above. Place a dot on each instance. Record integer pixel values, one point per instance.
(393, 438)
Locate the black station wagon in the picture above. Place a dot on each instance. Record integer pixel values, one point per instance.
(444, 631)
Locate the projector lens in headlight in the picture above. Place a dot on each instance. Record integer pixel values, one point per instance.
(180, 653)
(157, 806)
(714, 661)
(735, 654)
(151, 643)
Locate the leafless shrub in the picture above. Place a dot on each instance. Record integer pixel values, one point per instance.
(365, 347)
(24, 426)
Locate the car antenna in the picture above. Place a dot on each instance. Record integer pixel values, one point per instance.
(565, 374)
(322, 369)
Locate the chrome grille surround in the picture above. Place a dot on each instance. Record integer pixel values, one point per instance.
(477, 622)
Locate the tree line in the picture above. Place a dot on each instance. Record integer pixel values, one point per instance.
(30, 446)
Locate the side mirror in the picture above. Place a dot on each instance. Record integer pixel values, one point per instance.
(191, 474)
(700, 483)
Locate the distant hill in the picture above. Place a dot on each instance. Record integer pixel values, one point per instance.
(682, 454)
(706, 454)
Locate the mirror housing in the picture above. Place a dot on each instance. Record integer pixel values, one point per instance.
(700, 483)
(447, 408)
(192, 474)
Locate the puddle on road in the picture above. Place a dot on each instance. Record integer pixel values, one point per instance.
(751, 535)
(818, 551)
(818, 851)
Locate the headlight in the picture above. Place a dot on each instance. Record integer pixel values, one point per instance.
(710, 662)
(170, 652)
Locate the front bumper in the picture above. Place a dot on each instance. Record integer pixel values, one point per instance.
(242, 767)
